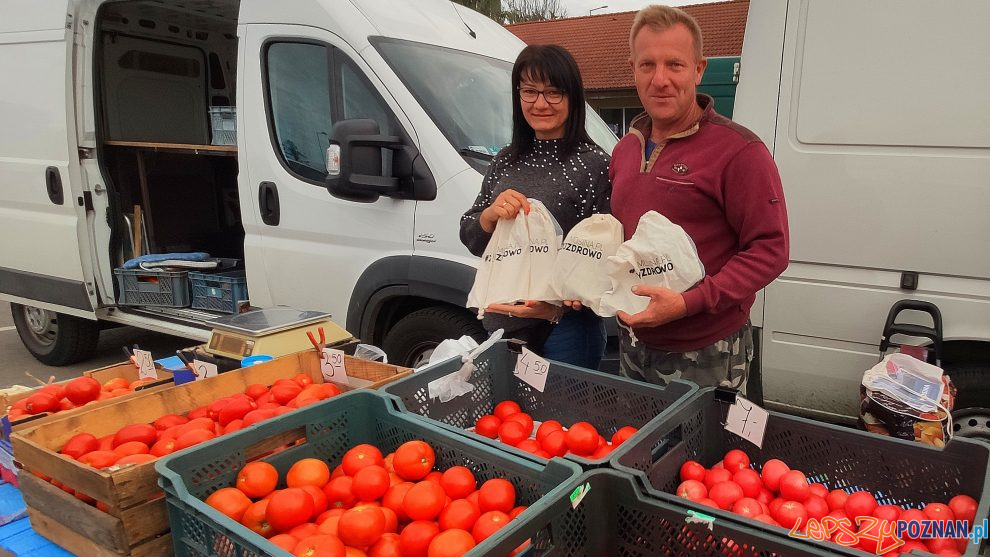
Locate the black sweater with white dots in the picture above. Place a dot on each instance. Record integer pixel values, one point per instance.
(572, 189)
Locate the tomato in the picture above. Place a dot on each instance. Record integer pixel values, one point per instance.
(765, 496)
(963, 507)
(623, 433)
(458, 482)
(304, 531)
(889, 513)
(488, 524)
(452, 543)
(819, 490)
(692, 489)
(716, 475)
(413, 460)
(693, 470)
(320, 501)
(433, 476)
(235, 410)
(725, 494)
(80, 444)
(387, 546)
(545, 429)
(284, 393)
(289, 508)
(255, 390)
(794, 486)
(82, 390)
(415, 538)
(320, 545)
(361, 526)
(330, 525)
(394, 497)
(340, 493)
(140, 458)
(131, 448)
(859, 504)
(816, 506)
(391, 519)
(193, 437)
(523, 418)
(424, 501)
(529, 445)
(555, 443)
(601, 452)
(506, 408)
(938, 511)
(750, 482)
(735, 460)
(284, 541)
(496, 494)
(115, 383)
(258, 415)
(163, 447)
(230, 501)
(747, 506)
(460, 513)
(145, 433)
(57, 391)
(100, 458)
(169, 420)
(791, 513)
(944, 547)
(766, 519)
(254, 519)
(912, 515)
(771, 473)
(106, 443)
(836, 499)
(232, 427)
(371, 483)
(308, 471)
(512, 432)
(487, 426)
(582, 438)
(39, 403)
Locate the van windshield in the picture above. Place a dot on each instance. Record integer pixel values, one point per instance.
(467, 95)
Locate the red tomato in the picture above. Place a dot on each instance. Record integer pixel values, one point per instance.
(546, 427)
(582, 438)
(394, 497)
(193, 437)
(747, 506)
(458, 482)
(765, 496)
(789, 513)
(320, 545)
(340, 493)
(371, 483)
(735, 460)
(163, 447)
(602, 452)
(460, 513)
(387, 546)
(415, 538)
(496, 494)
(692, 470)
(169, 420)
(963, 507)
(517, 511)
(771, 473)
(943, 547)
(836, 499)
(413, 460)
(529, 445)
(512, 432)
(555, 443)
(230, 501)
(623, 433)
(131, 448)
(887, 512)
(910, 546)
(320, 500)
(766, 519)
(82, 390)
(424, 501)
(452, 543)
(488, 524)
(717, 475)
(859, 504)
(816, 506)
(361, 526)
(506, 408)
(912, 515)
(80, 444)
(524, 419)
(487, 426)
(100, 458)
(819, 490)
(359, 457)
(750, 482)
(725, 494)
(692, 489)
(304, 531)
(794, 486)
(289, 508)
(938, 511)
(145, 433)
(254, 519)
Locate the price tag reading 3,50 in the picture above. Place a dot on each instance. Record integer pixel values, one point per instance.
(332, 365)
(532, 369)
(204, 370)
(146, 366)
(747, 420)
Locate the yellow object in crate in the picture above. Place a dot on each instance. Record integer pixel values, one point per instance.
(273, 331)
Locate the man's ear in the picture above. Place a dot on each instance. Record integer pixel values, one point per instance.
(702, 64)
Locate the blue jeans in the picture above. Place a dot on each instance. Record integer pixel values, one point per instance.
(579, 340)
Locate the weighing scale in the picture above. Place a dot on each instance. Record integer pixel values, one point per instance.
(273, 331)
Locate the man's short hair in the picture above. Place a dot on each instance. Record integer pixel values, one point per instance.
(660, 18)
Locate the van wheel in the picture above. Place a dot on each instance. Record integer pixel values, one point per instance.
(55, 339)
(971, 417)
(411, 341)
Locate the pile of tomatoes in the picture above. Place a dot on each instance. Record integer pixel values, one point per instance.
(510, 425)
(371, 505)
(780, 496)
(80, 391)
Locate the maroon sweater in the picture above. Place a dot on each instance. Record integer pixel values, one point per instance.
(718, 181)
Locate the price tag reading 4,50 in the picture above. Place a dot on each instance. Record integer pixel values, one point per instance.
(204, 370)
(332, 365)
(532, 369)
(145, 365)
(748, 420)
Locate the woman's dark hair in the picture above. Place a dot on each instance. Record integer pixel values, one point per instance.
(555, 66)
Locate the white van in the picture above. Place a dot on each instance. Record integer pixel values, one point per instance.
(106, 105)
(876, 116)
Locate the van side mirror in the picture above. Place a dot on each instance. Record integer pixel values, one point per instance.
(355, 171)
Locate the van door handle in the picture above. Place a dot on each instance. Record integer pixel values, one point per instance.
(268, 203)
(53, 183)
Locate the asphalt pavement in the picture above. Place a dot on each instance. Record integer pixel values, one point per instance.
(16, 362)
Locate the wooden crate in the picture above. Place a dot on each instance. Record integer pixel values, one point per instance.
(132, 494)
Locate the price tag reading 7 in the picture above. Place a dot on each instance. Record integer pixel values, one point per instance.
(332, 365)
(532, 369)
(746, 419)
(145, 365)
(204, 370)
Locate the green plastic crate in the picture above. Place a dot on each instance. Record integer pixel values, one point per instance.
(896, 471)
(572, 394)
(331, 429)
(615, 518)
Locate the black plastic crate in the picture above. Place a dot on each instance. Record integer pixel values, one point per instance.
(139, 287)
(221, 292)
(572, 394)
(895, 471)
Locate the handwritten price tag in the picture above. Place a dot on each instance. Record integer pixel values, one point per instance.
(145, 365)
(332, 366)
(532, 369)
(747, 420)
(204, 370)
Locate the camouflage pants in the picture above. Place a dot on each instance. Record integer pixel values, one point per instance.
(725, 363)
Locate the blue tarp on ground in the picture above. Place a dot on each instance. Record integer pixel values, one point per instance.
(17, 537)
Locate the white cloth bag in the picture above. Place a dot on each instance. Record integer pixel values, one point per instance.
(517, 264)
(659, 253)
(581, 271)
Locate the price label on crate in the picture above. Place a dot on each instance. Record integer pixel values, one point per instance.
(332, 365)
(145, 365)
(747, 420)
(204, 370)
(532, 369)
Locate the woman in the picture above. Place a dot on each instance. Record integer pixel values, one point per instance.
(552, 159)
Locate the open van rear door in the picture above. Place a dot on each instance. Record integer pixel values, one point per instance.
(42, 203)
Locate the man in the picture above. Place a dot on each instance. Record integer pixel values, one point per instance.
(715, 179)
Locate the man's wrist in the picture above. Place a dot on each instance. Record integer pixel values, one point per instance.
(558, 314)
